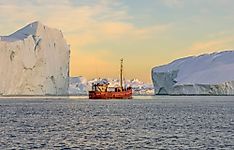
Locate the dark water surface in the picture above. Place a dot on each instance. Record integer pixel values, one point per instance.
(142, 123)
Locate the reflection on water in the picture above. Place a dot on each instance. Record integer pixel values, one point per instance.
(142, 123)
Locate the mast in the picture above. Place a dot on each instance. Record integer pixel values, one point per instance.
(121, 73)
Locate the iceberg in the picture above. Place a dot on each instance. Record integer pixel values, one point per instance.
(78, 86)
(34, 61)
(208, 74)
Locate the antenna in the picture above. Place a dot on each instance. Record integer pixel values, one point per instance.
(121, 73)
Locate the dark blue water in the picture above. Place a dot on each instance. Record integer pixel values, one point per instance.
(142, 123)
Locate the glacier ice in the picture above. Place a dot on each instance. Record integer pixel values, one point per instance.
(208, 74)
(34, 61)
(78, 86)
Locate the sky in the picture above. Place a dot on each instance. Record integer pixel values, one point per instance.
(146, 33)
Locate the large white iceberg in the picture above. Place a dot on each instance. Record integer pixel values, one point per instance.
(208, 74)
(34, 61)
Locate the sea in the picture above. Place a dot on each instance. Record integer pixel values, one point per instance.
(145, 122)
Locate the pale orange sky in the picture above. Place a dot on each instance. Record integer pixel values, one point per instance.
(100, 32)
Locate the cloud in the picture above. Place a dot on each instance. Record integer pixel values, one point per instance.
(99, 20)
(212, 45)
(34, 2)
(84, 25)
(174, 3)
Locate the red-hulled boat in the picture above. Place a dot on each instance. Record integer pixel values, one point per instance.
(101, 90)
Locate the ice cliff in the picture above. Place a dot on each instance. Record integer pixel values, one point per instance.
(34, 61)
(208, 74)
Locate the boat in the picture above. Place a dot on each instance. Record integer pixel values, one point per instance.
(101, 90)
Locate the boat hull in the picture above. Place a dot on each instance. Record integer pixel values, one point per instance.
(111, 95)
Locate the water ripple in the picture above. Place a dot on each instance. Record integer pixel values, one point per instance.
(159, 123)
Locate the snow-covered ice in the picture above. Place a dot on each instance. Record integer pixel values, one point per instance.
(34, 61)
(208, 74)
(78, 86)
